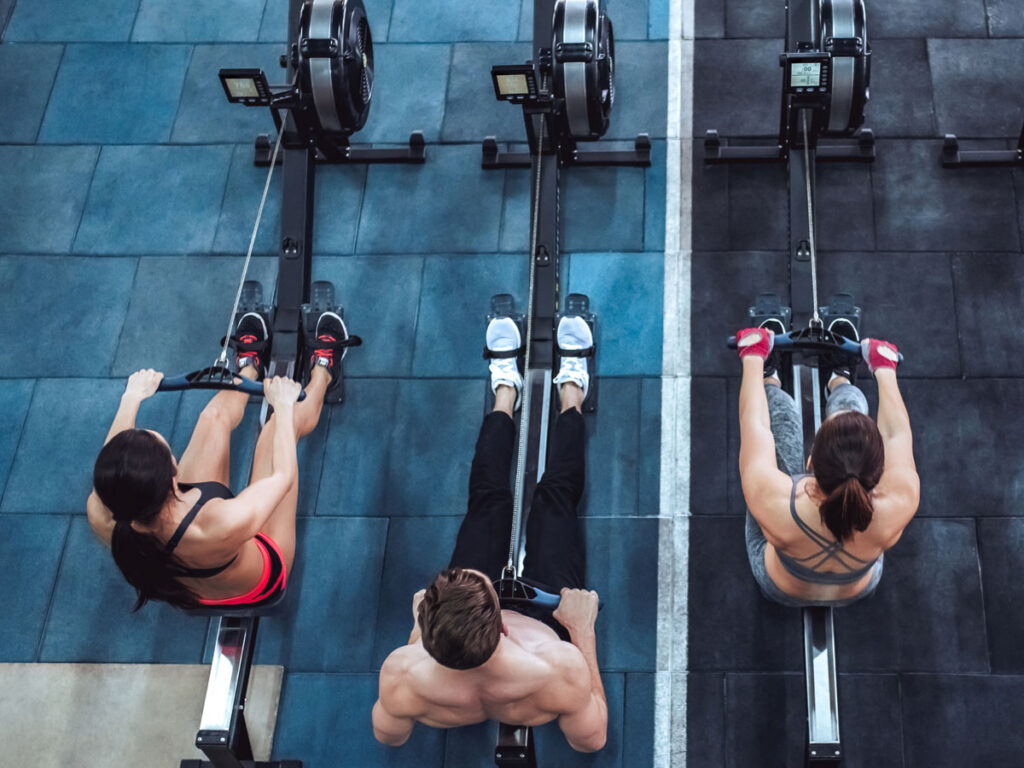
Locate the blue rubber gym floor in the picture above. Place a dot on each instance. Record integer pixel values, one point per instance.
(128, 197)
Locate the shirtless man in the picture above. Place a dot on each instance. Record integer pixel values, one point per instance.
(467, 660)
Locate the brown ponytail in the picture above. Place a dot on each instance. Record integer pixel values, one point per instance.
(847, 460)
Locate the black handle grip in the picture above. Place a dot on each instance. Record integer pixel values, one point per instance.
(212, 378)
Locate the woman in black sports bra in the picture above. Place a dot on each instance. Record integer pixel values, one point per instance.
(175, 529)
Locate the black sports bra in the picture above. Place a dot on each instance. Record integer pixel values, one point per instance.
(207, 491)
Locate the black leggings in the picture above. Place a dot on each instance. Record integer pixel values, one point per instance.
(555, 552)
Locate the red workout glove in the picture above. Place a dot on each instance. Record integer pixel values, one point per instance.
(755, 341)
(879, 354)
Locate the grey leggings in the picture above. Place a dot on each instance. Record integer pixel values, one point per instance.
(789, 451)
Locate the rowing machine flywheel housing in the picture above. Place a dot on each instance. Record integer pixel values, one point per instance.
(335, 63)
(583, 57)
(844, 34)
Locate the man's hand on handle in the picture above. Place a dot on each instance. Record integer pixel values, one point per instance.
(577, 610)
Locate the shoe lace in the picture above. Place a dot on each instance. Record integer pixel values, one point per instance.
(249, 338)
(325, 352)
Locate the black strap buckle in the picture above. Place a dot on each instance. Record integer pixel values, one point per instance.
(505, 354)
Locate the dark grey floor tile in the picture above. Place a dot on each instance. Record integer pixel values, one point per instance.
(843, 204)
(710, 213)
(954, 18)
(1005, 18)
(471, 111)
(754, 18)
(921, 206)
(710, 464)
(765, 720)
(1018, 185)
(6, 6)
(869, 721)
(709, 18)
(977, 86)
(928, 612)
(905, 297)
(989, 296)
(1001, 545)
(732, 626)
(705, 720)
(901, 102)
(747, 102)
(967, 434)
(724, 286)
(758, 207)
(965, 721)
(638, 720)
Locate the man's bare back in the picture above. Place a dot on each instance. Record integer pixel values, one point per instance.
(533, 677)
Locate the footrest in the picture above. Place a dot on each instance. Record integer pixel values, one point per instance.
(321, 299)
(578, 305)
(768, 306)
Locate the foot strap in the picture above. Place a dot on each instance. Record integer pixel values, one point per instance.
(504, 354)
(588, 352)
(246, 346)
(351, 341)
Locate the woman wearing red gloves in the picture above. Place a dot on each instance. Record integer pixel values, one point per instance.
(818, 538)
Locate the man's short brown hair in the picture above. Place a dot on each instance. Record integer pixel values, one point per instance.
(460, 620)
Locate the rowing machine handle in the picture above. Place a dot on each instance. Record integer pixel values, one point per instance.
(187, 381)
(789, 340)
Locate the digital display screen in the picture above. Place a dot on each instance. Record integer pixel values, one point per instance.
(242, 88)
(513, 85)
(807, 75)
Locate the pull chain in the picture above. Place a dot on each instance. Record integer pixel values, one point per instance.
(815, 318)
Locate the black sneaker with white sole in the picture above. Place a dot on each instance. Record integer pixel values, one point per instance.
(772, 362)
(847, 330)
(250, 342)
(331, 344)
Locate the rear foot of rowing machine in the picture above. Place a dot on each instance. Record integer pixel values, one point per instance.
(578, 305)
(321, 299)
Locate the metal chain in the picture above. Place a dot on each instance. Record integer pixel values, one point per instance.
(815, 318)
(524, 414)
(223, 359)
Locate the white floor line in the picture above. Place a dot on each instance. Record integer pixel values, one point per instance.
(674, 527)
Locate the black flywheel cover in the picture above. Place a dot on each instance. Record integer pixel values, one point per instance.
(335, 56)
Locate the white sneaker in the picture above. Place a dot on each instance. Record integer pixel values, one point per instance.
(574, 333)
(503, 336)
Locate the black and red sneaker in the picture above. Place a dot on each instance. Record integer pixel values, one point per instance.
(250, 341)
(332, 343)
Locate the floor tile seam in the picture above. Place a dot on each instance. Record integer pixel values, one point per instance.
(956, 316)
(49, 96)
(981, 588)
(178, 107)
(53, 590)
(88, 196)
(17, 444)
(124, 323)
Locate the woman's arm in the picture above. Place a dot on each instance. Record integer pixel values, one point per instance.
(900, 482)
(764, 484)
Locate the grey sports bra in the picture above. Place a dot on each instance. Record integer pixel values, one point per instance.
(805, 568)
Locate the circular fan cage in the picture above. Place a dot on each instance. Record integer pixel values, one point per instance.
(340, 77)
(851, 75)
(584, 66)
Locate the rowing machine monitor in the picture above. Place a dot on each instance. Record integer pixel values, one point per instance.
(515, 82)
(246, 86)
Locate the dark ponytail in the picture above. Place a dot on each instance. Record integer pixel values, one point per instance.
(847, 460)
(134, 476)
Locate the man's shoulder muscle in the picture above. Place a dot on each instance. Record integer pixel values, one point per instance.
(568, 688)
